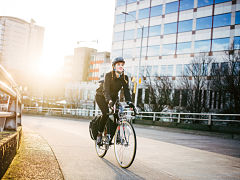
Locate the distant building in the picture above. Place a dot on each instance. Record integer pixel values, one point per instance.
(97, 60)
(21, 46)
(81, 63)
(82, 71)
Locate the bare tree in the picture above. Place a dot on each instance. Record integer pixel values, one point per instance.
(226, 81)
(159, 91)
(194, 84)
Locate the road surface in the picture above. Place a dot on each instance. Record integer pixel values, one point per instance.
(161, 153)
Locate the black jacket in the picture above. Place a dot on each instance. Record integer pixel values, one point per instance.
(112, 85)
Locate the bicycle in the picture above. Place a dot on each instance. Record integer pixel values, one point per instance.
(125, 142)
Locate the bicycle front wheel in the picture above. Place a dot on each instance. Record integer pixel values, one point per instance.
(125, 144)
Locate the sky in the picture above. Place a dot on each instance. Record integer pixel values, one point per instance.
(65, 23)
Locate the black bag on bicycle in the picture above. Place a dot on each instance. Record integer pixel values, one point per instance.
(93, 127)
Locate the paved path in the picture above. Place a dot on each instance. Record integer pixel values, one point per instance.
(161, 153)
(34, 160)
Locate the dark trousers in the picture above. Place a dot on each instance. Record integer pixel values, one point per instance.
(103, 105)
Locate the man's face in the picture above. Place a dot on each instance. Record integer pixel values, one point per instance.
(119, 66)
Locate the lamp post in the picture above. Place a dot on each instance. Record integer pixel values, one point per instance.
(139, 63)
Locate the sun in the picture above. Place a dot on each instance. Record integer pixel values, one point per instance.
(49, 66)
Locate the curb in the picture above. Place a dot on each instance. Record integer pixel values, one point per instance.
(8, 149)
(35, 159)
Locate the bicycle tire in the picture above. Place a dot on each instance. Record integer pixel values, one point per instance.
(100, 150)
(122, 142)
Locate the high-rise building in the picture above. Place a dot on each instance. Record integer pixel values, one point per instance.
(21, 46)
(175, 31)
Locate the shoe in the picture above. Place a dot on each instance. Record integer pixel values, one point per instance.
(99, 139)
(108, 139)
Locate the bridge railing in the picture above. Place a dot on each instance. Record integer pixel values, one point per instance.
(204, 118)
(10, 102)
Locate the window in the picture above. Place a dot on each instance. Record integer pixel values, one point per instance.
(224, 67)
(222, 20)
(149, 71)
(155, 70)
(120, 18)
(184, 48)
(155, 30)
(202, 46)
(169, 70)
(186, 4)
(153, 51)
(142, 70)
(179, 70)
(131, 16)
(236, 68)
(128, 53)
(118, 36)
(237, 20)
(204, 69)
(128, 35)
(220, 44)
(202, 3)
(156, 11)
(237, 42)
(214, 69)
(184, 26)
(143, 13)
(145, 32)
(146, 99)
(204, 23)
(116, 53)
(144, 51)
(121, 2)
(221, 1)
(186, 70)
(170, 28)
(131, 1)
(171, 7)
(163, 71)
(168, 49)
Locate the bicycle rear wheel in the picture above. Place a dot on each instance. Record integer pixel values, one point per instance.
(125, 144)
(102, 149)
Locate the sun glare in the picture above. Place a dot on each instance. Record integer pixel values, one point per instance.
(48, 67)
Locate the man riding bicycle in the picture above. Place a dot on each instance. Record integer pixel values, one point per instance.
(107, 93)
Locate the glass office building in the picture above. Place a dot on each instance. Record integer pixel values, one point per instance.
(174, 32)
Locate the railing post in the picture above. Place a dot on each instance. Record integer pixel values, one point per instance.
(179, 118)
(209, 119)
(154, 116)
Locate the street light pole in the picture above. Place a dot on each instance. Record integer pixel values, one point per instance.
(139, 63)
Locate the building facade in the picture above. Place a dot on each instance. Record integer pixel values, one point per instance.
(174, 33)
(96, 65)
(82, 71)
(21, 46)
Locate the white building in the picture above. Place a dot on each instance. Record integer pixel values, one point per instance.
(21, 46)
(175, 31)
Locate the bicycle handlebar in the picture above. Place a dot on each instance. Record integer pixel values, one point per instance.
(135, 111)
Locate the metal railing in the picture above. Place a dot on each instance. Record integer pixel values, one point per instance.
(10, 111)
(204, 118)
